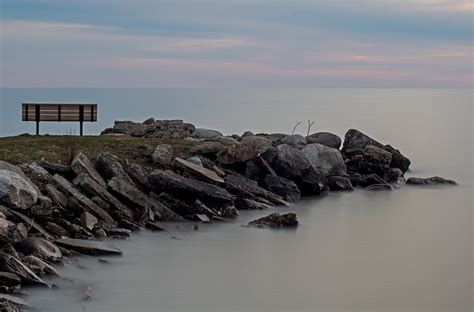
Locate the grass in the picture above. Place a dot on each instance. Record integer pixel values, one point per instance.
(20, 149)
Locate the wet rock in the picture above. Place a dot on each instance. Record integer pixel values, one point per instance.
(338, 183)
(379, 187)
(118, 233)
(293, 164)
(355, 139)
(11, 264)
(174, 184)
(152, 226)
(163, 155)
(249, 204)
(200, 172)
(376, 160)
(16, 191)
(40, 248)
(201, 133)
(250, 147)
(294, 140)
(88, 247)
(109, 166)
(430, 181)
(276, 220)
(283, 187)
(326, 160)
(324, 138)
(81, 164)
(358, 179)
(13, 304)
(40, 267)
(202, 217)
(9, 279)
(82, 199)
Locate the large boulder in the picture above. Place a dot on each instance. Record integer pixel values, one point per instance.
(294, 140)
(291, 163)
(355, 139)
(201, 133)
(174, 184)
(16, 191)
(250, 147)
(281, 186)
(163, 155)
(324, 138)
(208, 149)
(325, 159)
(81, 164)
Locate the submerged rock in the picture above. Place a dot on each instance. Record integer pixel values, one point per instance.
(88, 247)
(430, 181)
(276, 220)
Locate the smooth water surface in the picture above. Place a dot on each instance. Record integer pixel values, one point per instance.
(409, 250)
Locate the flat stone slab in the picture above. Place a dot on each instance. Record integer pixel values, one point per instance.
(199, 171)
(87, 247)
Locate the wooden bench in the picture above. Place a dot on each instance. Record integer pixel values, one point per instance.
(59, 112)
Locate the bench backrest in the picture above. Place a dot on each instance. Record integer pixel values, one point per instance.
(59, 112)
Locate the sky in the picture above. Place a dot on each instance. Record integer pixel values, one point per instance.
(237, 43)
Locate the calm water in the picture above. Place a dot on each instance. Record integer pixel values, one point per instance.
(404, 251)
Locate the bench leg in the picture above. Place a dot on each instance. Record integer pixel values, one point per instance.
(37, 128)
(81, 128)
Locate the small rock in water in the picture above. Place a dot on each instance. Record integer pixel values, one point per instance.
(276, 220)
(430, 181)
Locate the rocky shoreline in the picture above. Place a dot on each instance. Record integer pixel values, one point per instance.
(50, 211)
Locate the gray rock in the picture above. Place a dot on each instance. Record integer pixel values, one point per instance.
(293, 164)
(163, 155)
(40, 248)
(57, 196)
(430, 181)
(326, 160)
(250, 147)
(11, 264)
(283, 187)
(294, 140)
(226, 140)
(195, 160)
(276, 220)
(131, 128)
(355, 139)
(169, 129)
(325, 138)
(376, 160)
(16, 191)
(92, 207)
(242, 187)
(149, 121)
(87, 247)
(174, 184)
(337, 183)
(247, 134)
(379, 187)
(9, 279)
(394, 175)
(109, 166)
(138, 175)
(88, 220)
(208, 149)
(358, 179)
(201, 133)
(39, 266)
(81, 164)
(200, 172)
(249, 204)
(92, 188)
(134, 196)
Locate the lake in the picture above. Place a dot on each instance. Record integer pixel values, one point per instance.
(410, 250)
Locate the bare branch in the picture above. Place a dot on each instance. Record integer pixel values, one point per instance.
(296, 126)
